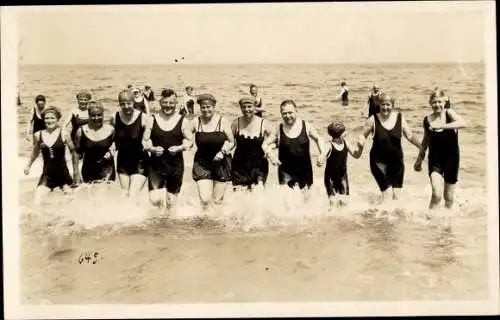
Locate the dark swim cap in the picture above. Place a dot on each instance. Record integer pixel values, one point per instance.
(125, 96)
(40, 97)
(206, 96)
(336, 129)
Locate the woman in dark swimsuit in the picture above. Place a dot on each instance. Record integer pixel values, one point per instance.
(78, 116)
(441, 137)
(36, 123)
(212, 160)
(52, 143)
(132, 159)
(166, 137)
(250, 165)
(140, 103)
(293, 139)
(93, 142)
(386, 154)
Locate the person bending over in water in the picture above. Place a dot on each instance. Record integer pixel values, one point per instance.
(293, 139)
(52, 142)
(166, 137)
(132, 159)
(212, 160)
(94, 142)
(36, 123)
(259, 106)
(441, 137)
(386, 154)
(335, 177)
(78, 116)
(250, 165)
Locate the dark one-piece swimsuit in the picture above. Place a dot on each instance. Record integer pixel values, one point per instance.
(95, 167)
(76, 122)
(55, 171)
(208, 145)
(38, 123)
(295, 158)
(386, 155)
(444, 152)
(132, 158)
(249, 162)
(166, 170)
(336, 181)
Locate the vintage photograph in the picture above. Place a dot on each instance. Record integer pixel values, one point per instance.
(234, 155)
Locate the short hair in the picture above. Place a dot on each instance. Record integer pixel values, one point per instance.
(253, 86)
(206, 96)
(385, 97)
(125, 95)
(40, 97)
(437, 93)
(343, 83)
(188, 87)
(166, 93)
(286, 102)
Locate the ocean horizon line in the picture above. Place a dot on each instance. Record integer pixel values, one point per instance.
(242, 64)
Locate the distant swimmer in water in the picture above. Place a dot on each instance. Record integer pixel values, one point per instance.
(335, 176)
(293, 139)
(187, 106)
(373, 103)
(94, 142)
(36, 123)
(52, 142)
(166, 137)
(441, 137)
(132, 160)
(344, 94)
(212, 160)
(148, 93)
(140, 103)
(250, 165)
(386, 154)
(78, 116)
(259, 106)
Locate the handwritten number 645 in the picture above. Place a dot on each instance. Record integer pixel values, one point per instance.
(87, 257)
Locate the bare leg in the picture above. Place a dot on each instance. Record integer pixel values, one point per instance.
(171, 202)
(219, 191)
(156, 197)
(437, 190)
(396, 193)
(124, 183)
(449, 195)
(205, 191)
(40, 193)
(137, 182)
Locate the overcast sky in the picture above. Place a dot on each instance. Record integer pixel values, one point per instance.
(252, 33)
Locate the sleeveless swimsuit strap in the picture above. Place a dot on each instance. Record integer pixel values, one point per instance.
(199, 124)
(261, 125)
(238, 126)
(218, 124)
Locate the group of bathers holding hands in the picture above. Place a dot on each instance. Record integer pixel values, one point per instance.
(150, 147)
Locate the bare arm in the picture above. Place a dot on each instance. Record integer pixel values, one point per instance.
(314, 135)
(146, 106)
(187, 132)
(67, 121)
(146, 137)
(35, 152)
(270, 140)
(75, 157)
(354, 151)
(229, 143)
(112, 120)
(409, 134)
(367, 130)
(457, 122)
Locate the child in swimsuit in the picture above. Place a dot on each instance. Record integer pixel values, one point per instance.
(335, 178)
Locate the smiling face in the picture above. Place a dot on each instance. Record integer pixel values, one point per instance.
(51, 120)
(83, 102)
(289, 114)
(96, 117)
(126, 102)
(40, 104)
(247, 109)
(386, 105)
(438, 104)
(168, 105)
(207, 108)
